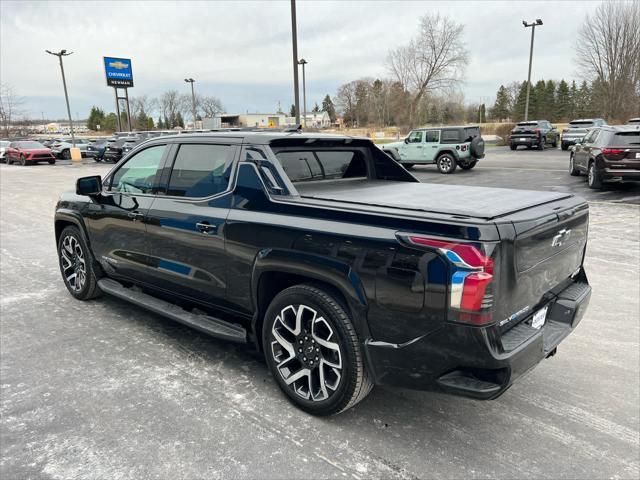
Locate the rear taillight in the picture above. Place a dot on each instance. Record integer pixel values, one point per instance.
(471, 274)
(463, 148)
(613, 153)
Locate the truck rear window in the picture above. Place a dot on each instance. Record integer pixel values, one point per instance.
(307, 165)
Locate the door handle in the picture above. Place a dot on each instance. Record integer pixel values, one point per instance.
(135, 216)
(206, 227)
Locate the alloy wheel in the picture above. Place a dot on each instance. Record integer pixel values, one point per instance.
(74, 266)
(445, 163)
(571, 166)
(305, 348)
(590, 175)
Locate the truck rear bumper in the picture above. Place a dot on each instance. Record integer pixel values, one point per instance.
(478, 362)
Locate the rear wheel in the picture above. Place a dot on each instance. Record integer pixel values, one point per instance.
(446, 163)
(76, 265)
(564, 146)
(572, 167)
(313, 351)
(513, 147)
(541, 145)
(594, 179)
(66, 154)
(469, 165)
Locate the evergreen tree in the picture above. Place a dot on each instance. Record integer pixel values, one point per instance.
(518, 114)
(536, 101)
(167, 124)
(563, 108)
(315, 108)
(500, 109)
(573, 93)
(292, 111)
(96, 117)
(548, 110)
(482, 113)
(109, 122)
(160, 124)
(583, 102)
(179, 120)
(329, 107)
(150, 125)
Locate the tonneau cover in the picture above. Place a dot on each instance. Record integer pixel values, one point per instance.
(476, 202)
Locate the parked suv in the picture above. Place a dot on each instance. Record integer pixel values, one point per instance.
(534, 133)
(608, 154)
(447, 147)
(577, 129)
(332, 260)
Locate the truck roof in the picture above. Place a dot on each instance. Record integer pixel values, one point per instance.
(266, 137)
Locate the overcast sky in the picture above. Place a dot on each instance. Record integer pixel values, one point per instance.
(241, 51)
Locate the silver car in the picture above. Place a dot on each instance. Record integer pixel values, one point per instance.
(62, 149)
(577, 129)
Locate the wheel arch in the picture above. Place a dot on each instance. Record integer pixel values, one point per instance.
(449, 151)
(274, 271)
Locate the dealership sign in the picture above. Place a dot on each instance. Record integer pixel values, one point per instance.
(118, 71)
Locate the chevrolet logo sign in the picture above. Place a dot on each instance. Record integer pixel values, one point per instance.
(562, 236)
(119, 65)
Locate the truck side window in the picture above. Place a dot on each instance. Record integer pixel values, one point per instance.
(433, 136)
(201, 170)
(138, 174)
(415, 137)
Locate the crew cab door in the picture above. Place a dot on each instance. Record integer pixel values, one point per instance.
(583, 150)
(116, 219)
(431, 145)
(413, 148)
(186, 222)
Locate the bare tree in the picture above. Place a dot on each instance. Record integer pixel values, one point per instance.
(170, 103)
(346, 101)
(433, 61)
(10, 106)
(608, 52)
(143, 105)
(209, 105)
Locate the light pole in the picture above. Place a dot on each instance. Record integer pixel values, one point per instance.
(193, 100)
(294, 35)
(533, 26)
(303, 62)
(60, 54)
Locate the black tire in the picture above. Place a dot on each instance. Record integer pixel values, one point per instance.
(513, 147)
(469, 165)
(564, 146)
(74, 246)
(52, 162)
(97, 159)
(573, 171)
(554, 144)
(477, 147)
(446, 163)
(541, 145)
(66, 154)
(351, 383)
(593, 177)
(408, 166)
(23, 160)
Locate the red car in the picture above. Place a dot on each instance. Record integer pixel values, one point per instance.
(28, 152)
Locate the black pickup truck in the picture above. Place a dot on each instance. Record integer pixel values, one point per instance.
(333, 260)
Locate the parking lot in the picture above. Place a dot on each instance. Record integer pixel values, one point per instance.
(103, 389)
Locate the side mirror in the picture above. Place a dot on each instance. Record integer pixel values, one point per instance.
(89, 186)
(406, 139)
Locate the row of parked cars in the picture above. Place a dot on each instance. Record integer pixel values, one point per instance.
(107, 149)
(541, 133)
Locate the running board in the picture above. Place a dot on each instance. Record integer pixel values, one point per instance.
(210, 325)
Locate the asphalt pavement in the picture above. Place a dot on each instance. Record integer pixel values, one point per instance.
(103, 389)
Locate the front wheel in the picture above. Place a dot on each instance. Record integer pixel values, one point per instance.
(52, 162)
(313, 351)
(23, 160)
(66, 154)
(573, 171)
(446, 163)
(564, 146)
(513, 147)
(76, 265)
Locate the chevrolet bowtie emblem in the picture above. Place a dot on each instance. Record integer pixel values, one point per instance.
(562, 236)
(119, 65)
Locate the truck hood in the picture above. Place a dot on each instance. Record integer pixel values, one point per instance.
(473, 202)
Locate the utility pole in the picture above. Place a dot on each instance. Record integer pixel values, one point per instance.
(533, 26)
(193, 100)
(60, 54)
(294, 34)
(303, 62)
